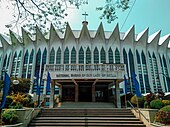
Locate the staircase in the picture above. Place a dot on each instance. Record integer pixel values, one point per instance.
(86, 118)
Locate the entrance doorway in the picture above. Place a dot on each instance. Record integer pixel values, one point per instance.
(68, 93)
(101, 93)
(85, 92)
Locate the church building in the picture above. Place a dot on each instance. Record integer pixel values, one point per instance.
(88, 65)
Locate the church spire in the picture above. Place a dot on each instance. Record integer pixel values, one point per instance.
(85, 22)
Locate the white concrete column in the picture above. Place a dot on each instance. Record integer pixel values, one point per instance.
(52, 95)
(76, 93)
(93, 93)
(76, 90)
(60, 92)
(118, 101)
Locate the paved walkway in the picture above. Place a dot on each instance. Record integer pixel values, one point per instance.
(85, 105)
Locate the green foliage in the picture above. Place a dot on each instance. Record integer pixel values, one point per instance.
(25, 101)
(8, 101)
(140, 101)
(16, 105)
(9, 117)
(163, 115)
(109, 10)
(166, 108)
(146, 104)
(166, 102)
(156, 104)
(17, 101)
(31, 104)
(40, 13)
(22, 87)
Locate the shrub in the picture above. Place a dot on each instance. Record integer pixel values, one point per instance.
(146, 104)
(156, 104)
(166, 108)
(166, 102)
(16, 105)
(8, 101)
(150, 97)
(140, 101)
(163, 116)
(25, 101)
(9, 117)
(31, 104)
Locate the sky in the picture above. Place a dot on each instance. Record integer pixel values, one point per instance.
(145, 13)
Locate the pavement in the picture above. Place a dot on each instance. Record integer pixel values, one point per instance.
(85, 105)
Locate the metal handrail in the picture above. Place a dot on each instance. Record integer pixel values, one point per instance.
(138, 111)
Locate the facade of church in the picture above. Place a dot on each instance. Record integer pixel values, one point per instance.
(85, 65)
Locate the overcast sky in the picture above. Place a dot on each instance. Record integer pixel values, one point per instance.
(145, 13)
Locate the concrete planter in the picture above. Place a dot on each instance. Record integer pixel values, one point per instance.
(25, 116)
(149, 113)
(147, 116)
(15, 125)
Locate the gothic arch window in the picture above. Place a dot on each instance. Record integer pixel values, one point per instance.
(5, 61)
(66, 56)
(162, 71)
(37, 68)
(117, 56)
(52, 56)
(111, 56)
(164, 61)
(166, 73)
(138, 57)
(127, 69)
(4, 66)
(125, 61)
(155, 67)
(103, 55)
(140, 72)
(0, 59)
(25, 64)
(8, 61)
(132, 67)
(88, 56)
(58, 56)
(96, 55)
(81, 56)
(14, 62)
(73, 56)
(18, 64)
(44, 61)
(145, 72)
(152, 72)
(31, 57)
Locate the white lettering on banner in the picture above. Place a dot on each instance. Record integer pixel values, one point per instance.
(85, 75)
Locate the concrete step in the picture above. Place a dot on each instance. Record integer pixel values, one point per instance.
(89, 118)
(87, 124)
(86, 121)
(86, 117)
(99, 115)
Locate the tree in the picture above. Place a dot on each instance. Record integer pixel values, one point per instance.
(30, 13)
(22, 87)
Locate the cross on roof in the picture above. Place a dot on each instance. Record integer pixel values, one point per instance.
(85, 14)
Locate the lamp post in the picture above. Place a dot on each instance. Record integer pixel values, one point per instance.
(15, 82)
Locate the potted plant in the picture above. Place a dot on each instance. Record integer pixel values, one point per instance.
(9, 117)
